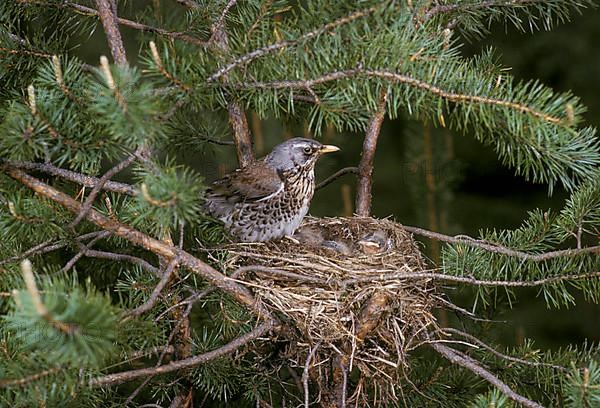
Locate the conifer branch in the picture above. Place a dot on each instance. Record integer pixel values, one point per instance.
(20, 382)
(79, 178)
(149, 304)
(404, 79)
(365, 167)
(82, 251)
(119, 378)
(36, 299)
(461, 359)
(138, 238)
(502, 250)
(89, 201)
(288, 43)
(109, 20)
(473, 281)
(335, 176)
(492, 350)
(129, 23)
(113, 256)
(237, 116)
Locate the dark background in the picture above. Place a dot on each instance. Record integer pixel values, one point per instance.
(461, 187)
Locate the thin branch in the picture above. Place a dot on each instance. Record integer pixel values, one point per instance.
(149, 304)
(136, 237)
(499, 249)
(142, 27)
(237, 117)
(118, 378)
(89, 201)
(461, 359)
(401, 78)
(498, 354)
(284, 44)
(305, 374)
(241, 133)
(109, 20)
(84, 180)
(365, 167)
(218, 26)
(450, 8)
(84, 248)
(469, 280)
(19, 382)
(91, 253)
(336, 175)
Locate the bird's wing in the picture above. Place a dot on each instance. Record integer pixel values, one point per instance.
(255, 182)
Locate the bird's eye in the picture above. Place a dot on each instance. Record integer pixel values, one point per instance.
(308, 150)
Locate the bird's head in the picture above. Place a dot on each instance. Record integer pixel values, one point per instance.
(297, 153)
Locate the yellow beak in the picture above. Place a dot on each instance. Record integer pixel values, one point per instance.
(329, 149)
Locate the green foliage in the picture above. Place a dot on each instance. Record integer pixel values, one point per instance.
(78, 329)
(323, 62)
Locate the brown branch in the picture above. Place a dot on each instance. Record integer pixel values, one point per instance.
(109, 20)
(241, 133)
(138, 26)
(336, 175)
(461, 359)
(84, 180)
(118, 378)
(499, 249)
(365, 167)
(92, 253)
(305, 373)
(138, 238)
(89, 201)
(19, 382)
(84, 247)
(498, 354)
(149, 304)
(404, 79)
(450, 8)
(284, 44)
(470, 281)
(237, 116)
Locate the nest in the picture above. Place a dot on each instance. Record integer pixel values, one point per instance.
(342, 285)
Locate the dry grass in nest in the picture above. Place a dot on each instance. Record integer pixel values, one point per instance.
(328, 286)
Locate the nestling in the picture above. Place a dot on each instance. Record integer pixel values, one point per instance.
(268, 198)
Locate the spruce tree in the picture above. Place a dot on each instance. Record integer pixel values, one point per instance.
(118, 293)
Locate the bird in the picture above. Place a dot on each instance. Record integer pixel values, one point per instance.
(268, 198)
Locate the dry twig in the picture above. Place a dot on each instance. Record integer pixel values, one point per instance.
(461, 359)
(365, 167)
(109, 20)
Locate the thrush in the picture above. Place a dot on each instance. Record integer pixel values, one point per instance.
(268, 198)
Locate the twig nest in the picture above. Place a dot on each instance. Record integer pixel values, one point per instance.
(341, 282)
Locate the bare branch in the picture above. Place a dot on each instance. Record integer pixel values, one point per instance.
(142, 27)
(149, 304)
(471, 281)
(499, 249)
(305, 373)
(337, 175)
(84, 180)
(87, 205)
(91, 253)
(461, 359)
(118, 378)
(136, 237)
(365, 167)
(84, 247)
(241, 133)
(498, 354)
(109, 20)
